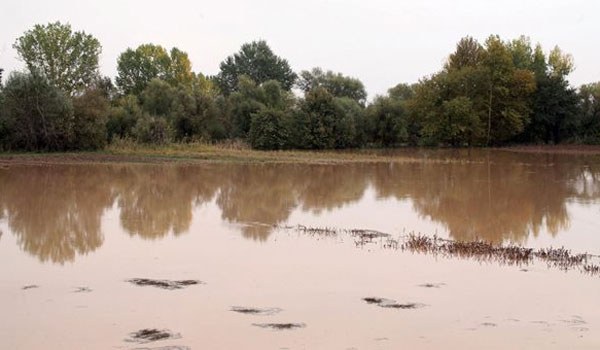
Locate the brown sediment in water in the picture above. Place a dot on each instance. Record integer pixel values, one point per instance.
(149, 335)
(256, 311)
(164, 284)
(280, 326)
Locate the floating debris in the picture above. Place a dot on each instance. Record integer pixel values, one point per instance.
(256, 311)
(392, 304)
(164, 284)
(149, 335)
(82, 290)
(280, 326)
(31, 286)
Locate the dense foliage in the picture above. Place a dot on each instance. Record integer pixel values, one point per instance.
(492, 93)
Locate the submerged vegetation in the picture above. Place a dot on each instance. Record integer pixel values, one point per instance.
(280, 326)
(559, 258)
(150, 335)
(392, 304)
(486, 94)
(163, 284)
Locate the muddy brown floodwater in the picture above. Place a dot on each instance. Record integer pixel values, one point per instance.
(285, 256)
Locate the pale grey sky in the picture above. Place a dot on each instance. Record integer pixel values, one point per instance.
(381, 42)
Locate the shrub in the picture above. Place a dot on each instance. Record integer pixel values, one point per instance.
(37, 114)
(269, 130)
(91, 114)
(152, 130)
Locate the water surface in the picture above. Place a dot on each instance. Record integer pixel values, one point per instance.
(74, 234)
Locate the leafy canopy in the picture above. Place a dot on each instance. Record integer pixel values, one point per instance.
(257, 61)
(136, 68)
(67, 59)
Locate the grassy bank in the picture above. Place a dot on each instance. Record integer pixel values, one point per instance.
(239, 152)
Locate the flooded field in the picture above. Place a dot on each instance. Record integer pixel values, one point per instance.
(421, 254)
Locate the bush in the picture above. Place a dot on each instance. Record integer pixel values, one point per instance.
(314, 122)
(37, 115)
(91, 114)
(269, 130)
(152, 130)
(123, 117)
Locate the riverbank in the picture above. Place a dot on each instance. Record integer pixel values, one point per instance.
(240, 153)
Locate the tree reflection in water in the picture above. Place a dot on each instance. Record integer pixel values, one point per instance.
(56, 211)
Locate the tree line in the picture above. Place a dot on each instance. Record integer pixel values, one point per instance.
(486, 94)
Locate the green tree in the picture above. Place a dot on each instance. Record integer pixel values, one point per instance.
(152, 130)
(314, 123)
(136, 68)
(250, 98)
(247, 100)
(157, 97)
(4, 123)
(555, 111)
(522, 53)
(351, 127)
(468, 53)
(123, 117)
(388, 119)
(269, 129)
(257, 61)
(589, 124)
(335, 83)
(509, 90)
(38, 115)
(91, 110)
(67, 59)
(560, 64)
(179, 71)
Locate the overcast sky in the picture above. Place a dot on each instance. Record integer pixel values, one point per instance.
(382, 42)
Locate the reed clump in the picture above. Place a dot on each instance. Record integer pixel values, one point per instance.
(560, 258)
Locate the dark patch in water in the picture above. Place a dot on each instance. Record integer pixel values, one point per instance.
(149, 335)
(489, 324)
(82, 290)
(256, 311)
(32, 286)
(392, 304)
(164, 284)
(432, 285)
(280, 326)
